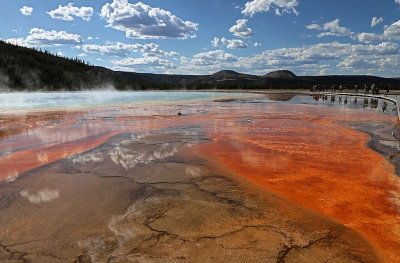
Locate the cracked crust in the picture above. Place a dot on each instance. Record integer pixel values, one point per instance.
(106, 213)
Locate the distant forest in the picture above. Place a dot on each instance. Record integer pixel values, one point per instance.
(24, 68)
(30, 69)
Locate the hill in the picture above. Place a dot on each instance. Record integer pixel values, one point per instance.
(26, 69)
(281, 74)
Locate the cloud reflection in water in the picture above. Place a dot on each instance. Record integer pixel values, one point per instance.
(44, 195)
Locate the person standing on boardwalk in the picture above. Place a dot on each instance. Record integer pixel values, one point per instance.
(367, 88)
(373, 87)
(386, 90)
(356, 88)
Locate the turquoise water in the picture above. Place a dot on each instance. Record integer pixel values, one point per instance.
(68, 100)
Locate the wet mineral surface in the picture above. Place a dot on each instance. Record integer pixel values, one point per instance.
(265, 179)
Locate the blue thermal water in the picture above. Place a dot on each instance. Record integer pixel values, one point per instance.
(68, 100)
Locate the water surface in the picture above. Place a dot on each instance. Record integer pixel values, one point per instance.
(138, 181)
(71, 100)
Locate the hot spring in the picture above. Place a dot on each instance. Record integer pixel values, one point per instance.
(189, 176)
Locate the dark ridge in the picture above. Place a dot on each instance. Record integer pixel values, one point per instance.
(224, 73)
(281, 74)
(27, 69)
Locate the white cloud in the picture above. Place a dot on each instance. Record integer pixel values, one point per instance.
(331, 28)
(397, 1)
(285, 57)
(145, 63)
(383, 49)
(142, 21)
(315, 54)
(280, 7)
(152, 50)
(215, 42)
(118, 49)
(122, 50)
(230, 43)
(26, 10)
(334, 29)
(211, 58)
(234, 43)
(68, 12)
(370, 38)
(314, 59)
(40, 37)
(241, 29)
(257, 44)
(314, 26)
(324, 71)
(376, 21)
(17, 41)
(393, 31)
(82, 55)
(353, 63)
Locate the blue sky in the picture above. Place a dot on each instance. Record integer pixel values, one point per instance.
(308, 37)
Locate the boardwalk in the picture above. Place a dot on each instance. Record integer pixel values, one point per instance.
(393, 98)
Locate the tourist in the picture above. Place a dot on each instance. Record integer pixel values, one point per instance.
(367, 88)
(373, 88)
(386, 90)
(356, 88)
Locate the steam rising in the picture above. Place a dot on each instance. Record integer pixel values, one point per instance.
(84, 99)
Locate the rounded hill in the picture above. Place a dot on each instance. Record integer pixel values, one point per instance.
(281, 74)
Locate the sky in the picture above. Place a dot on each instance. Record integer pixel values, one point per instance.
(307, 37)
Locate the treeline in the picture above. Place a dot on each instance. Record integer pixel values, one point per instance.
(29, 69)
(24, 68)
(124, 86)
